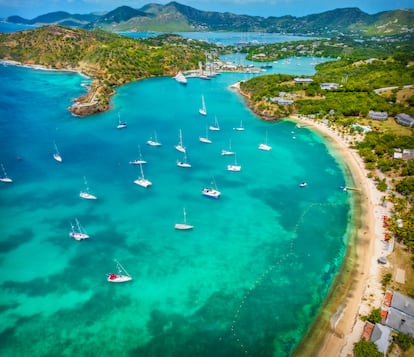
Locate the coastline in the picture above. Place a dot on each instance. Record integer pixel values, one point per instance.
(357, 286)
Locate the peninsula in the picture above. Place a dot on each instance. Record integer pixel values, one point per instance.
(109, 59)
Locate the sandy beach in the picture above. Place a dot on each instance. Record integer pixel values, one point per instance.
(357, 289)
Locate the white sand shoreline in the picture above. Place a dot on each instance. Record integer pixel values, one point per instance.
(346, 327)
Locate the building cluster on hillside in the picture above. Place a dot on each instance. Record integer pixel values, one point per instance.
(397, 313)
(405, 154)
(378, 115)
(405, 119)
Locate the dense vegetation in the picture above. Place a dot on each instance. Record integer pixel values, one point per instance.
(349, 47)
(109, 59)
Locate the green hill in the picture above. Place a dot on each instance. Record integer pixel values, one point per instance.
(110, 59)
(177, 17)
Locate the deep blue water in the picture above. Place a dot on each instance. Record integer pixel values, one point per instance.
(248, 280)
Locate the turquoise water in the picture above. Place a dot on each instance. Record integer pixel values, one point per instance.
(248, 280)
(229, 38)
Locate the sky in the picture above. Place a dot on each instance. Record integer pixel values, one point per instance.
(31, 8)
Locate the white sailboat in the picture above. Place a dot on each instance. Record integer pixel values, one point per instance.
(140, 160)
(121, 276)
(121, 125)
(215, 126)
(180, 146)
(85, 193)
(265, 146)
(229, 151)
(77, 232)
(56, 154)
(239, 128)
(4, 177)
(211, 192)
(184, 163)
(234, 167)
(183, 226)
(154, 142)
(203, 109)
(205, 139)
(142, 181)
(180, 78)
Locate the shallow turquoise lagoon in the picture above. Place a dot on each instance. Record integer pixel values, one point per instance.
(247, 280)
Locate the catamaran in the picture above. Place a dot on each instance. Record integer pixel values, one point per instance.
(205, 139)
(142, 181)
(85, 193)
(77, 232)
(229, 151)
(203, 109)
(239, 128)
(56, 154)
(140, 160)
(180, 78)
(265, 146)
(4, 177)
(180, 146)
(121, 125)
(211, 192)
(154, 142)
(121, 276)
(215, 126)
(183, 226)
(234, 167)
(184, 163)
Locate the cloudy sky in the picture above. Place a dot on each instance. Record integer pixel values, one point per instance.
(32, 8)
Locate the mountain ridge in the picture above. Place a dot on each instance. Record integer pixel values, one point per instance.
(178, 17)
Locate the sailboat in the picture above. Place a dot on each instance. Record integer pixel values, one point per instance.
(239, 128)
(215, 126)
(121, 125)
(265, 146)
(121, 276)
(56, 154)
(234, 167)
(183, 226)
(140, 160)
(4, 177)
(154, 142)
(211, 192)
(229, 151)
(184, 163)
(180, 146)
(203, 109)
(142, 181)
(205, 139)
(77, 232)
(85, 193)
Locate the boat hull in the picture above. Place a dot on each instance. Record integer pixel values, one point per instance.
(211, 193)
(117, 278)
(143, 183)
(78, 236)
(87, 196)
(233, 168)
(265, 147)
(183, 226)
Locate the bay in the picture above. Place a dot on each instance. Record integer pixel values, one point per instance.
(250, 276)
